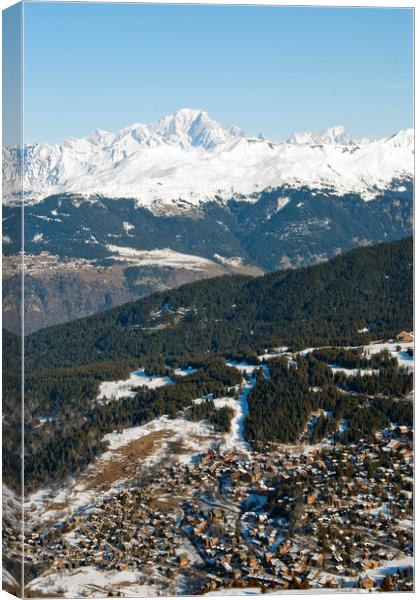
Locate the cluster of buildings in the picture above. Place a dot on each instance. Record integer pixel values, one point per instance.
(42, 263)
(331, 517)
(284, 517)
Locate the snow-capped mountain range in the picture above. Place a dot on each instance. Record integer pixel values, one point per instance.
(333, 135)
(191, 157)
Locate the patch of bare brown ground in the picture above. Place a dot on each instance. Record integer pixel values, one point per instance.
(123, 463)
(58, 506)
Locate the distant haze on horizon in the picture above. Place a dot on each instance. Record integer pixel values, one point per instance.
(267, 70)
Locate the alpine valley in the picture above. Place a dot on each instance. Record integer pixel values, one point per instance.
(116, 216)
(237, 435)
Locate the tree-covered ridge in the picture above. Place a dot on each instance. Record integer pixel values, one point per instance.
(325, 304)
(280, 407)
(237, 317)
(72, 435)
(312, 224)
(282, 227)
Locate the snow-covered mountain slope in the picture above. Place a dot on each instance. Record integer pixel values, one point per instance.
(332, 135)
(190, 156)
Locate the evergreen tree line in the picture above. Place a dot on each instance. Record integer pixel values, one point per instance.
(325, 304)
(388, 382)
(219, 418)
(280, 407)
(67, 444)
(355, 358)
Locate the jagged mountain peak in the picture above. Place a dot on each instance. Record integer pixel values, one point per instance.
(185, 128)
(332, 135)
(194, 127)
(190, 156)
(185, 117)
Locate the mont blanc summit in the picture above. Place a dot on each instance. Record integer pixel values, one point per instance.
(190, 156)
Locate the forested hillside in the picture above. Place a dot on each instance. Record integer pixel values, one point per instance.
(328, 304)
(366, 402)
(325, 304)
(83, 257)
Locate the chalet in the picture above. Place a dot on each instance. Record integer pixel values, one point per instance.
(310, 498)
(210, 542)
(183, 559)
(216, 513)
(285, 547)
(317, 559)
(229, 456)
(367, 583)
(405, 336)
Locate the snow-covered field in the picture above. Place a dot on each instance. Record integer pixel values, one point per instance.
(92, 582)
(242, 366)
(183, 372)
(234, 439)
(274, 353)
(404, 359)
(233, 261)
(124, 387)
(164, 257)
(193, 437)
(389, 567)
(349, 372)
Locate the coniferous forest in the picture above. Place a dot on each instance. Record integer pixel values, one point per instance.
(360, 296)
(294, 391)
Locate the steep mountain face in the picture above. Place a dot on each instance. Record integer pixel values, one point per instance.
(194, 128)
(83, 257)
(204, 198)
(282, 226)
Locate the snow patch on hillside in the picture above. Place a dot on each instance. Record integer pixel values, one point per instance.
(127, 227)
(233, 261)
(282, 202)
(92, 582)
(164, 257)
(109, 390)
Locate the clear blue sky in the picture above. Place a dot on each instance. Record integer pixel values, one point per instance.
(269, 70)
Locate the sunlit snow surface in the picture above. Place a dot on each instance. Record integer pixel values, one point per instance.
(164, 257)
(92, 582)
(404, 359)
(124, 387)
(190, 156)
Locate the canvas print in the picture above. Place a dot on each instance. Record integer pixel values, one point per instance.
(208, 342)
